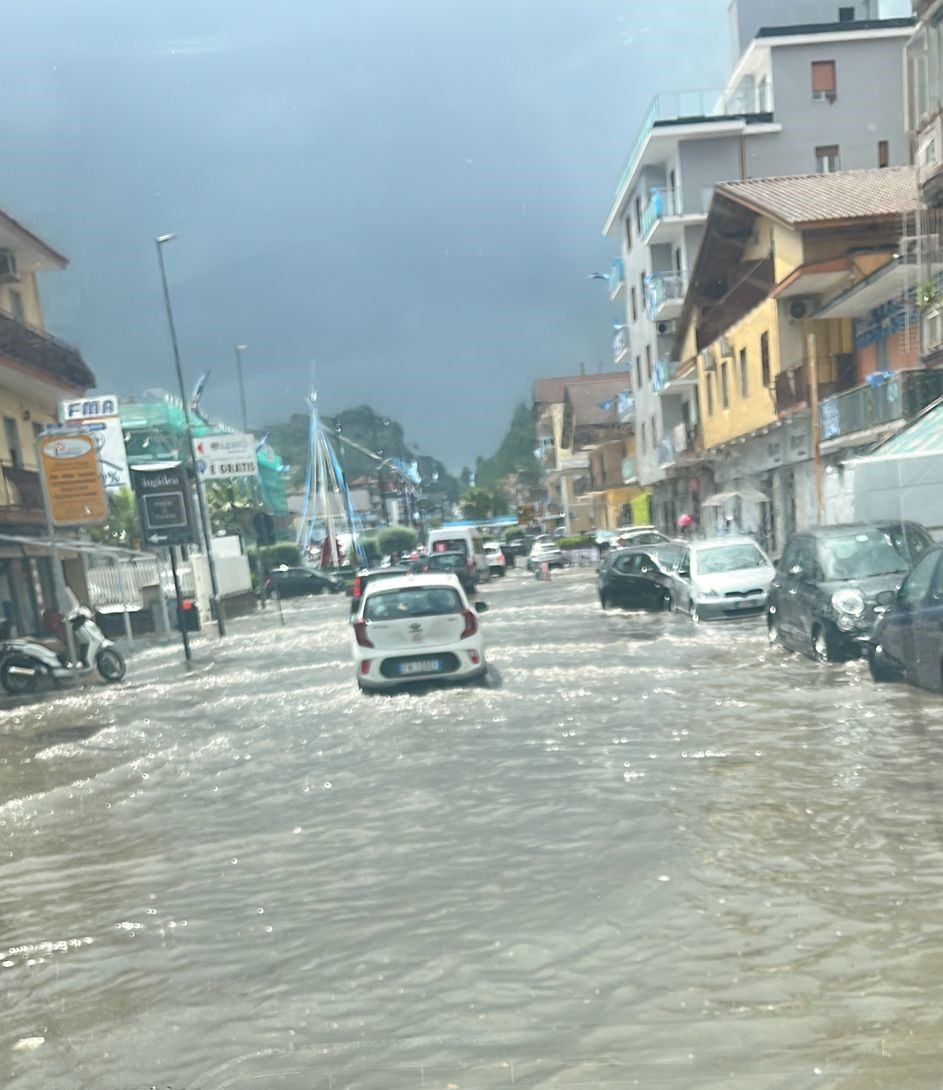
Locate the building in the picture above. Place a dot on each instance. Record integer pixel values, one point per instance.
(36, 372)
(800, 329)
(815, 86)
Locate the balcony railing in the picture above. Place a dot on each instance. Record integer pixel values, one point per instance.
(687, 439)
(665, 372)
(616, 278)
(21, 498)
(44, 353)
(620, 346)
(679, 106)
(666, 451)
(663, 289)
(898, 397)
(671, 203)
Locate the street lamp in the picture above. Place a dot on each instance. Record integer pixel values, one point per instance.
(159, 242)
(240, 348)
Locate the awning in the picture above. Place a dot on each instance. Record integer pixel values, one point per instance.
(723, 498)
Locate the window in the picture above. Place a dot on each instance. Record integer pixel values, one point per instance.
(677, 259)
(638, 372)
(917, 585)
(638, 215)
(654, 433)
(824, 86)
(12, 434)
(648, 361)
(846, 15)
(884, 153)
(643, 284)
(628, 232)
(724, 385)
(826, 159)
(709, 384)
(16, 305)
(634, 306)
(643, 435)
(744, 382)
(764, 360)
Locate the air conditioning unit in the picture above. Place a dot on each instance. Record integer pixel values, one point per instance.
(801, 308)
(8, 271)
(708, 362)
(668, 328)
(726, 348)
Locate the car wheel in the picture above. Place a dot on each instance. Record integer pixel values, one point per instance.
(695, 614)
(825, 644)
(881, 667)
(668, 603)
(605, 601)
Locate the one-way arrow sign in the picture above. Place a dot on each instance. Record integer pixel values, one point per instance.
(163, 493)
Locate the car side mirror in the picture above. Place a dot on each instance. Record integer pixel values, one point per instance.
(481, 607)
(886, 598)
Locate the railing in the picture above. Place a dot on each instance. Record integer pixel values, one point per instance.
(663, 288)
(664, 372)
(687, 439)
(665, 452)
(665, 203)
(681, 106)
(792, 390)
(882, 401)
(616, 278)
(39, 350)
(620, 346)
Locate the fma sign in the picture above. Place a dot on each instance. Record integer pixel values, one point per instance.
(98, 416)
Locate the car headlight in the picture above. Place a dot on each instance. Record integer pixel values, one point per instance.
(849, 602)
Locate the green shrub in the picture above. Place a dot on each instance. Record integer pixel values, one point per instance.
(578, 541)
(397, 539)
(371, 549)
(274, 556)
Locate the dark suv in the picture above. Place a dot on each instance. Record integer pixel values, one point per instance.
(823, 598)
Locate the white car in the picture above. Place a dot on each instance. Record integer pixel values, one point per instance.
(497, 561)
(722, 578)
(417, 628)
(546, 552)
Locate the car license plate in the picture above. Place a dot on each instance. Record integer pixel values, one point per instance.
(420, 666)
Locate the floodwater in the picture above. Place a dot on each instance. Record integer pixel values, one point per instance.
(648, 854)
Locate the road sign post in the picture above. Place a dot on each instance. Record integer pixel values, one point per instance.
(163, 495)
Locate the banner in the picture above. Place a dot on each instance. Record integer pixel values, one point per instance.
(226, 454)
(74, 491)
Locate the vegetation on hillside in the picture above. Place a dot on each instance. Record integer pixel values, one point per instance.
(515, 456)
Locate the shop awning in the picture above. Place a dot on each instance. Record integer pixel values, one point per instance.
(721, 499)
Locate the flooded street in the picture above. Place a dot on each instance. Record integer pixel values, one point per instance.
(648, 854)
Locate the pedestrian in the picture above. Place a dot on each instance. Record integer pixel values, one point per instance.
(686, 526)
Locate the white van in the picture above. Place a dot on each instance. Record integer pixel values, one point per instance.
(465, 539)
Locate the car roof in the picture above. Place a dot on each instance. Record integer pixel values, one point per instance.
(415, 582)
(842, 529)
(717, 542)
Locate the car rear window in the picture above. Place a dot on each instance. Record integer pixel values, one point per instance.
(393, 605)
(453, 545)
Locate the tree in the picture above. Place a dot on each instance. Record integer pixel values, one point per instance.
(515, 455)
(232, 507)
(477, 503)
(397, 539)
(122, 527)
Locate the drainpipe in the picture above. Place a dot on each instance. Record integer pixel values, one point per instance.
(814, 421)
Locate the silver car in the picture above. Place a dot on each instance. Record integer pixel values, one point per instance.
(722, 578)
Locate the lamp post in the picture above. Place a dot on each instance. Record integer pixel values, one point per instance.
(240, 348)
(201, 497)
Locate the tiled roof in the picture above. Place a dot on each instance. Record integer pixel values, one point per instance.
(822, 198)
(552, 391)
(587, 400)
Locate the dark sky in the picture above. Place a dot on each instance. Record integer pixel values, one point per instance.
(408, 192)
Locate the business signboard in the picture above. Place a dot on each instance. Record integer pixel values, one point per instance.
(99, 417)
(68, 462)
(224, 455)
(163, 494)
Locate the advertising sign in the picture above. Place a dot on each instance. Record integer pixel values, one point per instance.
(99, 417)
(68, 462)
(163, 493)
(226, 454)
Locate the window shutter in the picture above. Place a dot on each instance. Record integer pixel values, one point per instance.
(823, 77)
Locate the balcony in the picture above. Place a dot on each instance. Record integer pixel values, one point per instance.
(620, 346)
(629, 471)
(687, 439)
(55, 360)
(664, 296)
(21, 497)
(667, 208)
(665, 451)
(900, 397)
(616, 278)
(792, 390)
(665, 378)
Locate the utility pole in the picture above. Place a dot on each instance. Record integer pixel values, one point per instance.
(814, 415)
(200, 495)
(240, 348)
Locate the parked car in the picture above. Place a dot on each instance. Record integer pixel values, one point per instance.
(910, 539)
(446, 564)
(606, 539)
(722, 578)
(466, 539)
(640, 535)
(546, 552)
(907, 643)
(366, 576)
(638, 578)
(826, 588)
(417, 628)
(297, 582)
(497, 562)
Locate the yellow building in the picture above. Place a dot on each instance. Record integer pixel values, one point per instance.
(36, 372)
(775, 252)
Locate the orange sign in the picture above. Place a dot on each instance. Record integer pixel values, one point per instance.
(74, 490)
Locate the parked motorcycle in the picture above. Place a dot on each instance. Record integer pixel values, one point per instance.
(26, 659)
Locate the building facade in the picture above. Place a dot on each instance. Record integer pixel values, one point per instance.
(803, 96)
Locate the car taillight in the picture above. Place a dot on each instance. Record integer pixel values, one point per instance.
(357, 587)
(360, 634)
(471, 624)
(500, 558)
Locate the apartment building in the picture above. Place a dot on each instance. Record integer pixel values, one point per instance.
(815, 86)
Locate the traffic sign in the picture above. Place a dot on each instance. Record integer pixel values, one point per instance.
(75, 494)
(163, 493)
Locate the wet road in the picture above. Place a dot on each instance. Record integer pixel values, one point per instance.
(648, 855)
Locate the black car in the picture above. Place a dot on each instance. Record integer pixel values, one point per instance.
(908, 638)
(638, 578)
(447, 563)
(367, 575)
(823, 598)
(297, 582)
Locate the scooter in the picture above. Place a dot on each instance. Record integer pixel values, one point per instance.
(26, 659)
